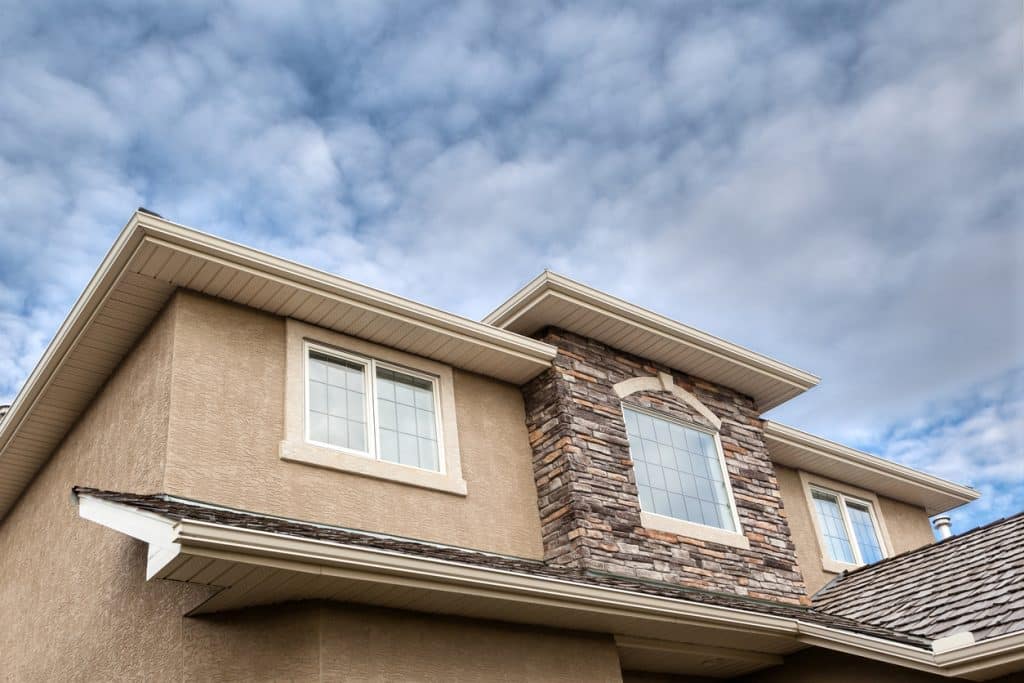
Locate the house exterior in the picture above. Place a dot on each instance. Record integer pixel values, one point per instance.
(228, 466)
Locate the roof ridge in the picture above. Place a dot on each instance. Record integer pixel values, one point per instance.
(941, 543)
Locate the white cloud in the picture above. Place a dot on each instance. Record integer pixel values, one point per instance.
(837, 186)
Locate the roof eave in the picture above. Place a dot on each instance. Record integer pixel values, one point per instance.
(800, 450)
(189, 552)
(985, 659)
(775, 382)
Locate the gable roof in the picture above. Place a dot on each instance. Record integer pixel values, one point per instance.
(554, 300)
(973, 582)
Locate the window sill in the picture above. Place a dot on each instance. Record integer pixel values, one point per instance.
(328, 458)
(701, 532)
(835, 567)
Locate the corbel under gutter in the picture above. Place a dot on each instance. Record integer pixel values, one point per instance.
(174, 542)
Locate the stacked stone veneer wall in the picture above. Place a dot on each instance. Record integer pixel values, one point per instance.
(587, 494)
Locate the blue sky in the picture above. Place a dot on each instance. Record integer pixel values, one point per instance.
(838, 186)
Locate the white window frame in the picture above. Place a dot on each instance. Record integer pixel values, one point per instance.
(370, 408)
(844, 493)
(296, 447)
(732, 537)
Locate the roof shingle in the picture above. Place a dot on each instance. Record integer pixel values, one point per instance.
(971, 582)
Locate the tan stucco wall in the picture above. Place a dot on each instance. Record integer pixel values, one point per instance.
(907, 525)
(227, 423)
(645, 677)
(334, 642)
(73, 598)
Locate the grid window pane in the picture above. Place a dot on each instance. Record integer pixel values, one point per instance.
(832, 527)
(407, 420)
(864, 532)
(337, 404)
(678, 472)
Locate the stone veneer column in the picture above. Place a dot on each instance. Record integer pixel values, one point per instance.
(587, 495)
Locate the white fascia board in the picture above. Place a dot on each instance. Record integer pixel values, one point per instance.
(846, 457)
(159, 532)
(549, 281)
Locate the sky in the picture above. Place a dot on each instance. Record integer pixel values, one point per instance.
(836, 185)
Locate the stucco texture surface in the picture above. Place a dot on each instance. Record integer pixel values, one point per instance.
(74, 600)
(227, 412)
(335, 642)
(908, 527)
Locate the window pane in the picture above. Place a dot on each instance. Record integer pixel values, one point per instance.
(673, 475)
(337, 409)
(408, 422)
(318, 427)
(864, 532)
(832, 527)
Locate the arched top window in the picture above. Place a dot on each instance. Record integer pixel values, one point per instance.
(680, 471)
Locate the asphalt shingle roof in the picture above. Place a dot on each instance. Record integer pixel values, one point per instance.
(179, 509)
(971, 582)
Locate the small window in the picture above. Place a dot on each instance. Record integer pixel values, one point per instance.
(679, 471)
(394, 418)
(848, 528)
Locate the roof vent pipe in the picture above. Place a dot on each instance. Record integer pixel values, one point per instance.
(3, 411)
(944, 525)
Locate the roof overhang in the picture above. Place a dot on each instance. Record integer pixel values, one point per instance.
(251, 567)
(797, 449)
(554, 300)
(152, 258)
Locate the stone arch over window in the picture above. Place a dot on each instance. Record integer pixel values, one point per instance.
(665, 382)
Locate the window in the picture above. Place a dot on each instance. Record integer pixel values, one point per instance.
(847, 527)
(679, 471)
(369, 408)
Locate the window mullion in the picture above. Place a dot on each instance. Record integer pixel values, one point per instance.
(373, 438)
(854, 543)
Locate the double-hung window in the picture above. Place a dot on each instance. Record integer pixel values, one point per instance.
(373, 409)
(848, 527)
(679, 470)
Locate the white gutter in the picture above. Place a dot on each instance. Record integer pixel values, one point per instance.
(170, 541)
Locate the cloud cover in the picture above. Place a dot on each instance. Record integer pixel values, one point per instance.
(838, 186)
